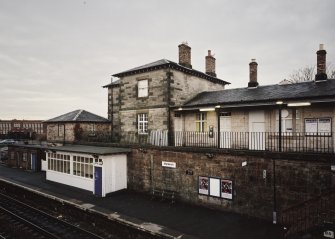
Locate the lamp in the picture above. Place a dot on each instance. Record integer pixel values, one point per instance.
(207, 109)
(299, 104)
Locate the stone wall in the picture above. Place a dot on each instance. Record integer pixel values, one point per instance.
(298, 177)
(157, 119)
(157, 83)
(184, 87)
(102, 130)
(56, 132)
(114, 106)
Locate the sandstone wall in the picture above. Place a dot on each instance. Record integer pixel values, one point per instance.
(253, 192)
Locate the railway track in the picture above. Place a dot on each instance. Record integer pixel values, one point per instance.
(19, 220)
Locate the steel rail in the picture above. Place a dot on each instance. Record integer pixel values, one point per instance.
(54, 220)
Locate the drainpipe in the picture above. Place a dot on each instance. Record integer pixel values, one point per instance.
(219, 133)
(63, 133)
(111, 110)
(169, 74)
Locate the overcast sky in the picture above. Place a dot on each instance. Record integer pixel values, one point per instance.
(55, 55)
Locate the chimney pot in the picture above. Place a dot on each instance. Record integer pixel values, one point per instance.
(321, 64)
(210, 64)
(253, 73)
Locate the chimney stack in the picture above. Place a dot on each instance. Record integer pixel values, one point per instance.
(253, 73)
(210, 64)
(185, 55)
(321, 64)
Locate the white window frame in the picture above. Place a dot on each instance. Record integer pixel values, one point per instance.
(143, 88)
(142, 123)
(294, 117)
(201, 121)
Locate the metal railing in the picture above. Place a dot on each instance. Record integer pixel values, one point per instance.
(309, 214)
(260, 141)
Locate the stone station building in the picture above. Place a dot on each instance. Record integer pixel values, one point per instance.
(141, 99)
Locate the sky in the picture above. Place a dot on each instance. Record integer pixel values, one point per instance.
(55, 55)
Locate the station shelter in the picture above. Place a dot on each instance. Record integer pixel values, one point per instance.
(101, 170)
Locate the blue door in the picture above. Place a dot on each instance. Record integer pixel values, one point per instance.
(98, 181)
(33, 162)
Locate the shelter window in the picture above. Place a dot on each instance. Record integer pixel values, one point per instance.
(59, 162)
(83, 166)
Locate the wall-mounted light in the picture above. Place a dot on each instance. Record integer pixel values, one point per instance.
(180, 108)
(207, 109)
(217, 106)
(279, 102)
(299, 104)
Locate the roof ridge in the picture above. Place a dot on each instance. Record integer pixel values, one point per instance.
(77, 115)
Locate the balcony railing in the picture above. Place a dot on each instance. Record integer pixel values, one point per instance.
(260, 141)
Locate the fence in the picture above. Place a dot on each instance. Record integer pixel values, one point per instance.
(309, 214)
(260, 141)
(269, 141)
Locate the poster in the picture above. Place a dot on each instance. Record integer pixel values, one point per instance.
(214, 187)
(324, 125)
(227, 189)
(318, 125)
(311, 126)
(203, 185)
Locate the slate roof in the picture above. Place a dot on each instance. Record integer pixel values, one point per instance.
(163, 63)
(268, 93)
(79, 116)
(90, 149)
(113, 84)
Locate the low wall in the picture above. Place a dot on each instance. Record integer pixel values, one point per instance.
(298, 177)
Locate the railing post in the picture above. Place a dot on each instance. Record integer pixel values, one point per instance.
(274, 193)
(280, 130)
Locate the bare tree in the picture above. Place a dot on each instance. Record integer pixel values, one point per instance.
(331, 74)
(308, 74)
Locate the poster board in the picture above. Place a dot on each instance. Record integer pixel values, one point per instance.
(203, 184)
(314, 126)
(227, 189)
(214, 187)
(311, 126)
(324, 125)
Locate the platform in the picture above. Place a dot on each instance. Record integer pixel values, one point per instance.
(178, 220)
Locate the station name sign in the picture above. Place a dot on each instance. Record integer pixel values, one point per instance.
(169, 164)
